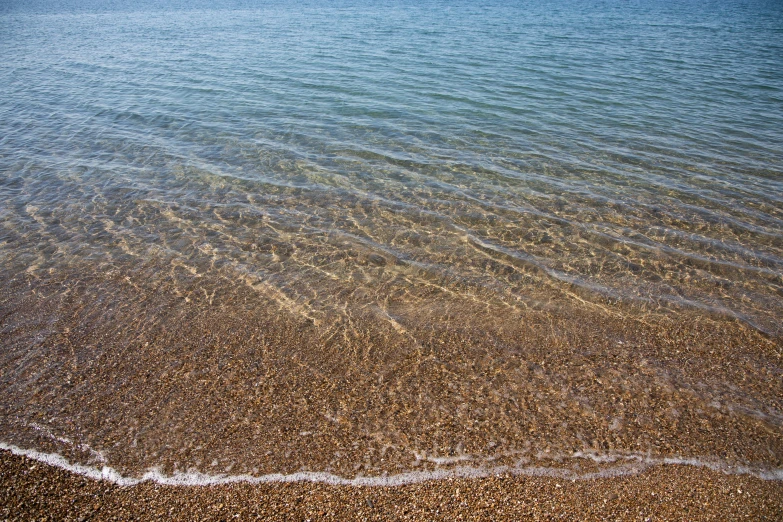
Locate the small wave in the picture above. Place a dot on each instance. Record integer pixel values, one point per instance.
(620, 465)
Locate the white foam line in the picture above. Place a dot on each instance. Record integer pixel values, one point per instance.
(633, 463)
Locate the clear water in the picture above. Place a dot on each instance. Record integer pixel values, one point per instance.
(366, 237)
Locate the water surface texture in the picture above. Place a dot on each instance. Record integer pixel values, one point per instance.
(371, 238)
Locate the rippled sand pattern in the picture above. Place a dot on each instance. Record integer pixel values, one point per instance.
(207, 276)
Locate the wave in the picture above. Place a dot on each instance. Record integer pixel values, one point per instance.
(619, 465)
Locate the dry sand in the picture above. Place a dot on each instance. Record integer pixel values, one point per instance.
(34, 491)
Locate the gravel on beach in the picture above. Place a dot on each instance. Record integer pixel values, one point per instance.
(31, 490)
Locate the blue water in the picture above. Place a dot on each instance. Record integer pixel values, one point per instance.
(421, 162)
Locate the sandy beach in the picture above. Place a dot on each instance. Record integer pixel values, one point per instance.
(649, 375)
(32, 490)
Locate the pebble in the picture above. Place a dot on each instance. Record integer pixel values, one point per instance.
(681, 493)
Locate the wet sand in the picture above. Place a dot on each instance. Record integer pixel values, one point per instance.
(32, 490)
(135, 380)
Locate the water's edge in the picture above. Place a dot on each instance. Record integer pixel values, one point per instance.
(628, 464)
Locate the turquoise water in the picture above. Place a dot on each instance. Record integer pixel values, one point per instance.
(407, 163)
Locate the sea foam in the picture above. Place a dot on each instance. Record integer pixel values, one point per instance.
(624, 464)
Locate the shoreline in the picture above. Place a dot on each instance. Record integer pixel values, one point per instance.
(32, 489)
(604, 466)
(245, 389)
(255, 391)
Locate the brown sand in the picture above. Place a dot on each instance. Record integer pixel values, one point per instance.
(225, 388)
(32, 490)
(140, 369)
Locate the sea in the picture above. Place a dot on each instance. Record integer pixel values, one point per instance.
(379, 242)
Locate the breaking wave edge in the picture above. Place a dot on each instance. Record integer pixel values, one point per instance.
(618, 465)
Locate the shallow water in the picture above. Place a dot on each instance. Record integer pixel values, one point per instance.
(363, 238)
